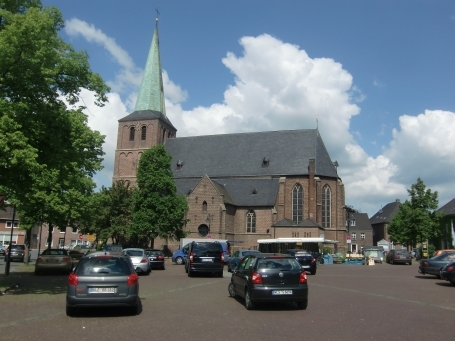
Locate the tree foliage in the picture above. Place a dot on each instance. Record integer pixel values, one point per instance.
(111, 209)
(417, 218)
(48, 154)
(158, 211)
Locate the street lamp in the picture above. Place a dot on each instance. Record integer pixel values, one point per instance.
(8, 260)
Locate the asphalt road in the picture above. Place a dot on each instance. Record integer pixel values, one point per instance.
(346, 302)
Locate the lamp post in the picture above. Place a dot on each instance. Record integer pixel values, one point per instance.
(8, 260)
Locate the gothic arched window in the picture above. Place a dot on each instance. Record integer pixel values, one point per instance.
(326, 206)
(297, 203)
(251, 222)
(143, 132)
(204, 206)
(132, 131)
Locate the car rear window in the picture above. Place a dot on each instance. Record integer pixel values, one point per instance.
(103, 266)
(135, 253)
(20, 247)
(153, 253)
(278, 264)
(403, 252)
(54, 253)
(207, 249)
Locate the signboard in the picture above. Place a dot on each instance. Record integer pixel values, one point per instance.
(348, 241)
(91, 237)
(81, 236)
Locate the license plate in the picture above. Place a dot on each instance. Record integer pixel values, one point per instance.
(207, 260)
(281, 292)
(101, 290)
(306, 266)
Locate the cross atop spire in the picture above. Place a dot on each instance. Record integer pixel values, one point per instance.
(151, 93)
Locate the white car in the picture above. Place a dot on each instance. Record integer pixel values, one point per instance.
(140, 260)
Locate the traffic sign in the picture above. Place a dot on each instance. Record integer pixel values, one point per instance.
(91, 237)
(81, 236)
(348, 237)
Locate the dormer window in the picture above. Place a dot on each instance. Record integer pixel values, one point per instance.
(265, 162)
(179, 164)
(255, 191)
(132, 131)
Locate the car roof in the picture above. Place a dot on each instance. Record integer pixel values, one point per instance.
(133, 248)
(104, 253)
(152, 250)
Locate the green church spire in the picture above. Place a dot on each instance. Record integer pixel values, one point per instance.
(151, 94)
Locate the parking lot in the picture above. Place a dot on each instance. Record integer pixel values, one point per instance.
(381, 302)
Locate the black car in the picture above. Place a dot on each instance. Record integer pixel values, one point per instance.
(156, 258)
(103, 280)
(434, 265)
(399, 257)
(17, 253)
(448, 273)
(266, 277)
(305, 258)
(205, 257)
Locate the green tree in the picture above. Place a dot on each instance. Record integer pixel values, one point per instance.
(158, 211)
(417, 219)
(48, 153)
(111, 209)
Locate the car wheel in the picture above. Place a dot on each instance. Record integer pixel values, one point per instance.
(70, 311)
(220, 274)
(452, 282)
(392, 262)
(231, 290)
(302, 305)
(163, 268)
(179, 260)
(313, 272)
(410, 263)
(249, 305)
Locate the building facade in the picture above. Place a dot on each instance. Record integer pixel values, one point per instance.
(241, 187)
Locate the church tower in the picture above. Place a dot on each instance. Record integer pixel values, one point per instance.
(148, 125)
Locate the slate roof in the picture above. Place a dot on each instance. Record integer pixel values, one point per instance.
(449, 208)
(238, 192)
(7, 214)
(289, 223)
(146, 115)
(386, 214)
(241, 155)
(362, 223)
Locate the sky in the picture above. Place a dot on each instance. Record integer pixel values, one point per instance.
(377, 78)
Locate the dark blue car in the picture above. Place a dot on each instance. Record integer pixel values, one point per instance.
(448, 273)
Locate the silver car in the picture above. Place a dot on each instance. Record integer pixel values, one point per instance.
(140, 260)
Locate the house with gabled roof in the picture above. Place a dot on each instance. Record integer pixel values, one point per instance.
(448, 224)
(243, 186)
(380, 221)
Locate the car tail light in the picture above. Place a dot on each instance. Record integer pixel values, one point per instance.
(39, 260)
(73, 279)
(132, 279)
(425, 264)
(313, 260)
(302, 278)
(191, 256)
(144, 260)
(450, 268)
(160, 257)
(256, 278)
(65, 259)
(222, 257)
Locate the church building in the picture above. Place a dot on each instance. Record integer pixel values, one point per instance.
(243, 186)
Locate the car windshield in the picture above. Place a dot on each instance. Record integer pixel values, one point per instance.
(278, 264)
(135, 253)
(54, 253)
(102, 266)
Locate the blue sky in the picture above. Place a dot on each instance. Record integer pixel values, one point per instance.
(379, 75)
